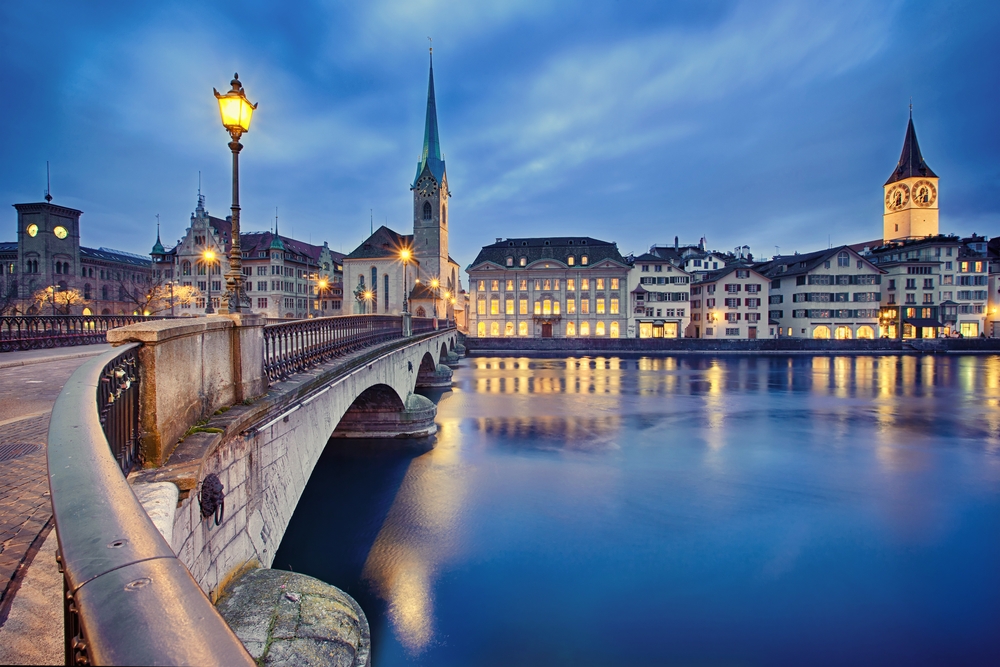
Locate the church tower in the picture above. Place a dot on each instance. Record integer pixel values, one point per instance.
(430, 199)
(911, 194)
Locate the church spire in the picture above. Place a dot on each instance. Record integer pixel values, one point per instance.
(431, 155)
(911, 162)
(158, 247)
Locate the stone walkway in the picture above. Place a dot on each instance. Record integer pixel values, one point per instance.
(29, 385)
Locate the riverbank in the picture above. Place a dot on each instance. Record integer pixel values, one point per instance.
(645, 346)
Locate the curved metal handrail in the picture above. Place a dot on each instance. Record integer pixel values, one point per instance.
(136, 602)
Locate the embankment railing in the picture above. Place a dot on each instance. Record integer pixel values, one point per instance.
(128, 599)
(33, 332)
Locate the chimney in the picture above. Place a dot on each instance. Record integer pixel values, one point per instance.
(499, 239)
(676, 243)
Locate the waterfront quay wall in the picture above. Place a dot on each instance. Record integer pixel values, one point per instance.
(264, 452)
(643, 346)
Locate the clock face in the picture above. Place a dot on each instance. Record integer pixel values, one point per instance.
(32, 230)
(60, 232)
(426, 187)
(924, 193)
(897, 197)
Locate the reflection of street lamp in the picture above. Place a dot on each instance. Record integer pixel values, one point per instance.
(404, 256)
(208, 259)
(236, 113)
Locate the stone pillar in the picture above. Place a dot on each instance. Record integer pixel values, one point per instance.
(190, 368)
(440, 378)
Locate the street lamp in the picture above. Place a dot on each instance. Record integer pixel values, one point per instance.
(236, 113)
(435, 285)
(404, 256)
(367, 295)
(208, 258)
(321, 284)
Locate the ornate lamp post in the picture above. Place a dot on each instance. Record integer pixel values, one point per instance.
(236, 113)
(404, 256)
(435, 286)
(208, 259)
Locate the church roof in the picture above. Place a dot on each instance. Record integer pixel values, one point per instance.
(430, 158)
(911, 162)
(558, 248)
(383, 243)
(117, 256)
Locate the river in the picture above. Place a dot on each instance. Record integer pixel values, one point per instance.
(687, 510)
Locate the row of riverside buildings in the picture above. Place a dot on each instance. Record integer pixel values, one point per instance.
(913, 282)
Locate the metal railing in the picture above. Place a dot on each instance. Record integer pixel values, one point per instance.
(292, 347)
(128, 599)
(32, 332)
(118, 407)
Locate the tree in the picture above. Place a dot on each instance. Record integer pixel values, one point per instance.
(60, 300)
(8, 295)
(158, 295)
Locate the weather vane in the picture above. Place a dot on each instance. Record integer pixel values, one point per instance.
(432, 44)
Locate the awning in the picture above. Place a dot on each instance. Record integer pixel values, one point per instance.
(922, 322)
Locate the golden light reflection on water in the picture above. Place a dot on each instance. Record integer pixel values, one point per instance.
(902, 395)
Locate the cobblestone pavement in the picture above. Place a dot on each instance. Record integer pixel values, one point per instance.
(26, 397)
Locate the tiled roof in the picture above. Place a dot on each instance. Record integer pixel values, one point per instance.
(557, 248)
(383, 242)
(118, 256)
(911, 162)
(8, 246)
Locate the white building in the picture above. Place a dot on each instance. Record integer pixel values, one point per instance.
(729, 304)
(659, 298)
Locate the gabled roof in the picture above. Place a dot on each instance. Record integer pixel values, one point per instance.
(430, 158)
(557, 248)
(714, 276)
(383, 243)
(911, 162)
(800, 264)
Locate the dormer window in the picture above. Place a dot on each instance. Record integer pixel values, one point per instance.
(571, 260)
(583, 260)
(524, 261)
(427, 210)
(510, 261)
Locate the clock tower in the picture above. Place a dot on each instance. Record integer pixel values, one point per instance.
(430, 200)
(911, 194)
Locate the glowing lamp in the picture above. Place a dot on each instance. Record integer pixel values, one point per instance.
(208, 255)
(235, 109)
(435, 283)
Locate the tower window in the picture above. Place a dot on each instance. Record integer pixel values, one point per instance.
(427, 210)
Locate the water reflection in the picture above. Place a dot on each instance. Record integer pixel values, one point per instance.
(684, 490)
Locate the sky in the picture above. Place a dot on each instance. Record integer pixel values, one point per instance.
(769, 124)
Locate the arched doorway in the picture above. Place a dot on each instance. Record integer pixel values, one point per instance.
(843, 333)
(866, 332)
(822, 332)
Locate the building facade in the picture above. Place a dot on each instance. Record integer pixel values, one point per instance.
(548, 287)
(730, 303)
(48, 256)
(659, 298)
(833, 293)
(283, 277)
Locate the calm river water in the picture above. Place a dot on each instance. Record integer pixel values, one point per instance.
(689, 510)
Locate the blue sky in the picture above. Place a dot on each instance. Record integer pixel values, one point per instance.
(758, 123)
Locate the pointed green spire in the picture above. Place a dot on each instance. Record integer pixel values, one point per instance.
(276, 242)
(431, 155)
(158, 247)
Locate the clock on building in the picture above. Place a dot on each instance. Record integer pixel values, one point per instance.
(426, 187)
(897, 197)
(924, 193)
(60, 232)
(32, 230)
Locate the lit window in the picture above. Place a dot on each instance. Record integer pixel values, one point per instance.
(481, 330)
(585, 306)
(571, 260)
(570, 306)
(614, 330)
(522, 328)
(548, 284)
(585, 284)
(556, 307)
(482, 285)
(494, 328)
(510, 261)
(524, 261)
(599, 329)
(538, 308)
(509, 310)
(600, 306)
(600, 283)
(538, 284)
(523, 284)
(555, 284)
(583, 260)
(614, 283)
(494, 306)
(584, 328)
(508, 329)
(481, 309)
(495, 285)
(614, 307)
(547, 307)
(510, 285)
(523, 307)
(570, 329)
(570, 284)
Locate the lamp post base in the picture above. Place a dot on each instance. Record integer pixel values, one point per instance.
(407, 325)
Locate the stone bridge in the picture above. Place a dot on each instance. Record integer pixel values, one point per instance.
(263, 448)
